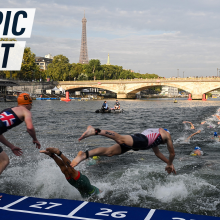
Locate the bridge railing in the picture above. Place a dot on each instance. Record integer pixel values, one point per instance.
(118, 81)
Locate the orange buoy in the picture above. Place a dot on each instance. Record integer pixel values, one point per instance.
(67, 99)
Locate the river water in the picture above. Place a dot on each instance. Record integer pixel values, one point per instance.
(135, 179)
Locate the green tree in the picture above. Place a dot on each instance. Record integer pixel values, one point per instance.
(75, 70)
(94, 67)
(29, 69)
(59, 69)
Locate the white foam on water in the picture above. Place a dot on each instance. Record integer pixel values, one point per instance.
(50, 182)
(152, 182)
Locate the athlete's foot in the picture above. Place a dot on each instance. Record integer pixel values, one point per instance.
(80, 157)
(53, 150)
(0, 197)
(89, 132)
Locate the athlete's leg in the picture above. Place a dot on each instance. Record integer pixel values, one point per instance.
(4, 161)
(100, 151)
(120, 139)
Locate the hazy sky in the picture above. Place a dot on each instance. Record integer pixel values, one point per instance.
(156, 36)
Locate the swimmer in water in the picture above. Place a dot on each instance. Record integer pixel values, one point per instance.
(216, 136)
(196, 152)
(93, 160)
(191, 124)
(150, 138)
(74, 177)
(194, 134)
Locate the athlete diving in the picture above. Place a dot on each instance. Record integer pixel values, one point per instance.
(150, 138)
(74, 177)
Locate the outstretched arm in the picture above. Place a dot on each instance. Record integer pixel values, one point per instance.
(217, 116)
(16, 150)
(30, 128)
(170, 167)
(193, 134)
(191, 124)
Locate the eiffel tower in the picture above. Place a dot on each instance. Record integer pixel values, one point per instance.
(83, 58)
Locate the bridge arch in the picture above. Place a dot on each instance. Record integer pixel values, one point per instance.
(128, 88)
(143, 87)
(79, 87)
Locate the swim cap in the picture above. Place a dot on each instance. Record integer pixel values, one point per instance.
(95, 157)
(215, 134)
(197, 148)
(166, 130)
(24, 99)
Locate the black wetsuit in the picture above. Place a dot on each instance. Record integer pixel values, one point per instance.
(8, 120)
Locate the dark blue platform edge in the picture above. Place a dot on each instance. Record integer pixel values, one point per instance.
(29, 208)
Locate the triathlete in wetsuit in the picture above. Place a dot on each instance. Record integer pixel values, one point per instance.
(74, 177)
(150, 138)
(12, 117)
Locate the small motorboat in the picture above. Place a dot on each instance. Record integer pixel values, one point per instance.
(103, 111)
(109, 111)
(117, 110)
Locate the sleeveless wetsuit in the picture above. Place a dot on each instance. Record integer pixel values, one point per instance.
(149, 138)
(8, 120)
(83, 185)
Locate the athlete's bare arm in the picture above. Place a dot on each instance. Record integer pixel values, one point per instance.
(16, 150)
(193, 134)
(191, 124)
(24, 114)
(168, 140)
(30, 127)
(170, 167)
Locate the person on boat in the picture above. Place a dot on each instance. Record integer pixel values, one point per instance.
(191, 124)
(12, 117)
(74, 177)
(150, 138)
(117, 105)
(105, 105)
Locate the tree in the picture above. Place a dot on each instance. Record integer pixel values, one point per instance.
(59, 69)
(95, 65)
(75, 70)
(29, 69)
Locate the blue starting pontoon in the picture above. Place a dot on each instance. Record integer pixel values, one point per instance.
(26, 208)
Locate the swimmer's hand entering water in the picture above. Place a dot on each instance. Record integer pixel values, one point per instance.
(170, 169)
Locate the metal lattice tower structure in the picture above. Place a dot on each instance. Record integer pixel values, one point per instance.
(83, 58)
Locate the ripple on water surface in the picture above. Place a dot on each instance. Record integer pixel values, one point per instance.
(132, 179)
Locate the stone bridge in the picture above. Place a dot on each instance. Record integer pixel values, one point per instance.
(128, 88)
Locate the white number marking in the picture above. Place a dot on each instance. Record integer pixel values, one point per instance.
(53, 205)
(38, 206)
(102, 213)
(118, 214)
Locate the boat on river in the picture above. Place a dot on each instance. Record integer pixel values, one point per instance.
(109, 111)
